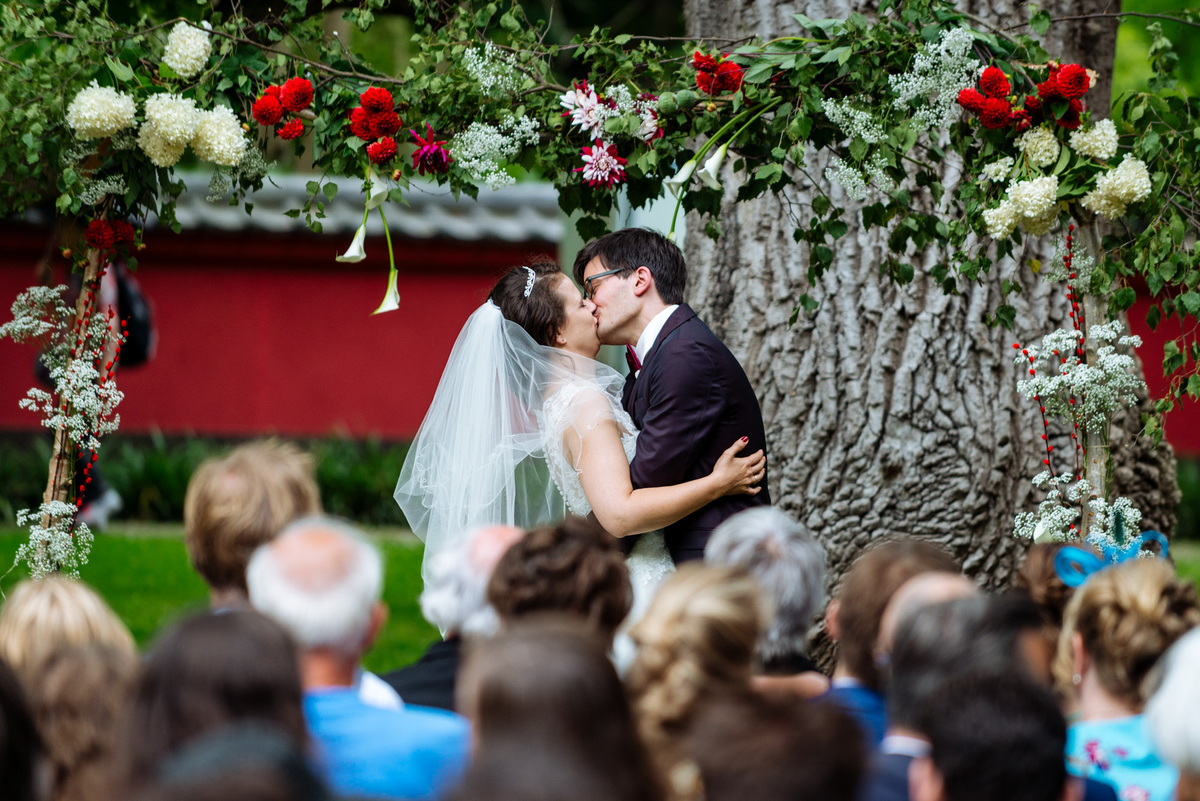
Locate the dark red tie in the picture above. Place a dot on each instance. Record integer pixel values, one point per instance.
(632, 360)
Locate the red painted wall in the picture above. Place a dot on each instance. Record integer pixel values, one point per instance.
(267, 333)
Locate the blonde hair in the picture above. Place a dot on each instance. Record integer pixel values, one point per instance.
(236, 503)
(1127, 616)
(42, 616)
(698, 636)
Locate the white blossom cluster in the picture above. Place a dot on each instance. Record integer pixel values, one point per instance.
(1082, 265)
(492, 70)
(37, 312)
(100, 111)
(1098, 142)
(1117, 188)
(622, 98)
(875, 170)
(1040, 146)
(1031, 204)
(96, 189)
(1101, 530)
(188, 49)
(173, 118)
(252, 167)
(853, 121)
(938, 74)
(57, 546)
(998, 170)
(1098, 389)
(482, 149)
(160, 152)
(1055, 515)
(847, 177)
(219, 137)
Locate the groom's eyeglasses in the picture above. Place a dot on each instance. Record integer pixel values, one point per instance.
(589, 288)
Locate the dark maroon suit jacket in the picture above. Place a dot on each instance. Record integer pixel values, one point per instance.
(691, 401)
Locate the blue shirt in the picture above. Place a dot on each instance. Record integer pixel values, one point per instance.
(867, 707)
(1119, 751)
(410, 753)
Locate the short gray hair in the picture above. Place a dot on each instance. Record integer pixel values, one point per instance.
(789, 566)
(1173, 712)
(455, 595)
(319, 579)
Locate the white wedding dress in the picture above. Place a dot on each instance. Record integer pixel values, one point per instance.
(649, 562)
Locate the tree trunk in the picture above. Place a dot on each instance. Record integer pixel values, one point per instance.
(893, 411)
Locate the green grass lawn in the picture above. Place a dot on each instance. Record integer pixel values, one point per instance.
(143, 573)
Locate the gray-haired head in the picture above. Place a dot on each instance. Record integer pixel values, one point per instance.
(1173, 712)
(787, 563)
(455, 595)
(320, 579)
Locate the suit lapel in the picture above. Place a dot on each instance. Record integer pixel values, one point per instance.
(677, 318)
(633, 392)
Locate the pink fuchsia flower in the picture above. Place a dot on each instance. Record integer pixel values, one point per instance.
(601, 165)
(431, 156)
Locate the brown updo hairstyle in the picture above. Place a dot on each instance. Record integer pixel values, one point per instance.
(1128, 615)
(541, 314)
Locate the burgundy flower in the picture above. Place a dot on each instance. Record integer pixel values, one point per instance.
(99, 235)
(431, 156)
(384, 123)
(1071, 119)
(123, 233)
(707, 82)
(272, 91)
(702, 62)
(360, 124)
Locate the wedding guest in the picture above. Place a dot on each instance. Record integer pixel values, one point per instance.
(206, 672)
(573, 567)
(993, 737)
(1173, 714)
(696, 642)
(455, 601)
(322, 580)
(43, 615)
(238, 502)
(1117, 625)
(789, 566)
(918, 593)
(20, 746)
(544, 692)
(852, 620)
(1038, 579)
(78, 693)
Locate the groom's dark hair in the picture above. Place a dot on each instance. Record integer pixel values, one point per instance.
(631, 248)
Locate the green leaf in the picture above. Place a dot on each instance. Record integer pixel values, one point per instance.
(858, 149)
(768, 172)
(1123, 298)
(835, 54)
(1190, 301)
(1039, 21)
(119, 70)
(1006, 315)
(760, 71)
(330, 189)
(622, 39)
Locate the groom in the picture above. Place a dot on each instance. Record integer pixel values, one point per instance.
(685, 391)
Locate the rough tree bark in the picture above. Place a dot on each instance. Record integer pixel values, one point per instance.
(894, 410)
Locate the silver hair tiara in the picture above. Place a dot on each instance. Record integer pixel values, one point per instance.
(529, 281)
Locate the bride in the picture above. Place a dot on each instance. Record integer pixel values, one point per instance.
(526, 425)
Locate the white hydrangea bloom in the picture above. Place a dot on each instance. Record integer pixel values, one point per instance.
(1099, 203)
(482, 149)
(100, 111)
(1098, 142)
(188, 49)
(847, 177)
(1034, 198)
(853, 121)
(492, 70)
(160, 152)
(174, 118)
(998, 170)
(1001, 221)
(1040, 225)
(219, 137)
(1040, 146)
(938, 74)
(1128, 183)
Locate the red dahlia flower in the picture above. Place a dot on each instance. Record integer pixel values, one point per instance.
(272, 91)
(376, 100)
(995, 83)
(1033, 104)
(296, 94)
(99, 235)
(430, 156)
(1020, 118)
(729, 77)
(971, 100)
(382, 151)
(702, 62)
(1073, 81)
(360, 124)
(996, 113)
(123, 233)
(707, 82)
(292, 129)
(267, 110)
(384, 124)
(1071, 120)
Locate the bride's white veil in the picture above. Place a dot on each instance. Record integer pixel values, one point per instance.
(479, 458)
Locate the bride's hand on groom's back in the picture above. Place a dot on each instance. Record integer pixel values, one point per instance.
(740, 475)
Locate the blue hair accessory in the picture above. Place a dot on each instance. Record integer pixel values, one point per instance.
(1076, 565)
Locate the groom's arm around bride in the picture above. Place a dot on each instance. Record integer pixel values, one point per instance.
(690, 398)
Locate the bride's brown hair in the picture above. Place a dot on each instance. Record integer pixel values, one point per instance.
(540, 313)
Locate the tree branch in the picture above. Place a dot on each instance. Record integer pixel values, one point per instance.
(1113, 14)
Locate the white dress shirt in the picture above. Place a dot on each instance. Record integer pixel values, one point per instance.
(650, 334)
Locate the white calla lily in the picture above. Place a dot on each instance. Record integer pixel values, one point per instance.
(378, 191)
(356, 252)
(679, 181)
(1041, 535)
(711, 173)
(391, 298)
